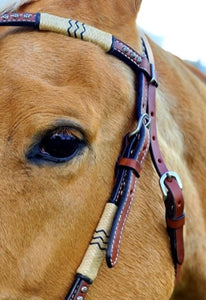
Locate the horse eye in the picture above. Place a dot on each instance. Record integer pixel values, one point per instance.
(59, 145)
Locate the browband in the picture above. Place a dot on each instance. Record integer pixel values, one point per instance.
(81, 31)
(136, 144)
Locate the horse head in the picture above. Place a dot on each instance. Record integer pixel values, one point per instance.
(65, 107)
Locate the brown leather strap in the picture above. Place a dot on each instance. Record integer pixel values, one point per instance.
(79, 289)
(121, 221)
(176, 223)
(125, 197)
(20, 19)
(133, 59)
(174, 201)
(132, 164)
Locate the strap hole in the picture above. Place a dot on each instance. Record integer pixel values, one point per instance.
(153, 138)
(152, 114)
(159, 161)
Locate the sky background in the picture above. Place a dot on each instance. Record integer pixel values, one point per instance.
(179, 24)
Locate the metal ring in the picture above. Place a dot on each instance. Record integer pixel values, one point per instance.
(169, 175)
(140, 123)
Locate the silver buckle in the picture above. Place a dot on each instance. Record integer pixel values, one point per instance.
(144, 117)
(169, 175)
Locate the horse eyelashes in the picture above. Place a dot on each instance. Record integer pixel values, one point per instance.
(59, 145)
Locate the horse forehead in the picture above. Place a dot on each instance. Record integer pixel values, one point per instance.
(46, 72)
(56, 60)
(46, 52)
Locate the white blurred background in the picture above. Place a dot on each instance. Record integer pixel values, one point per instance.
(179, 26)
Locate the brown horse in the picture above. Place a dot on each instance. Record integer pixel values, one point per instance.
(56, 86)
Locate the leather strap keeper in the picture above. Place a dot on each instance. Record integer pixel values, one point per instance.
(176, 223)
(132, 164)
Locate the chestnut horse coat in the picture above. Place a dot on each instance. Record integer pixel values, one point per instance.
(54, 85)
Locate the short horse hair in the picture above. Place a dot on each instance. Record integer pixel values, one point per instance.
(11, 5)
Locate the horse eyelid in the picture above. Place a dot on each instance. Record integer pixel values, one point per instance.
(59, 145)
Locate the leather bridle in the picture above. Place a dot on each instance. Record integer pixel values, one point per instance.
(136, 144)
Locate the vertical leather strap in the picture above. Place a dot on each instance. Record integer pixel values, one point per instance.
(174, 201)
(129, 170)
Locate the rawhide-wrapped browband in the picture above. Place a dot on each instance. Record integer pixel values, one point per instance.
(108, 234)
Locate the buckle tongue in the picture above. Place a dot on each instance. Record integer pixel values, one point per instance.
(169, 175)
(144, 117)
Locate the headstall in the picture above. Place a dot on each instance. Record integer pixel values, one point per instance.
(136, 144)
